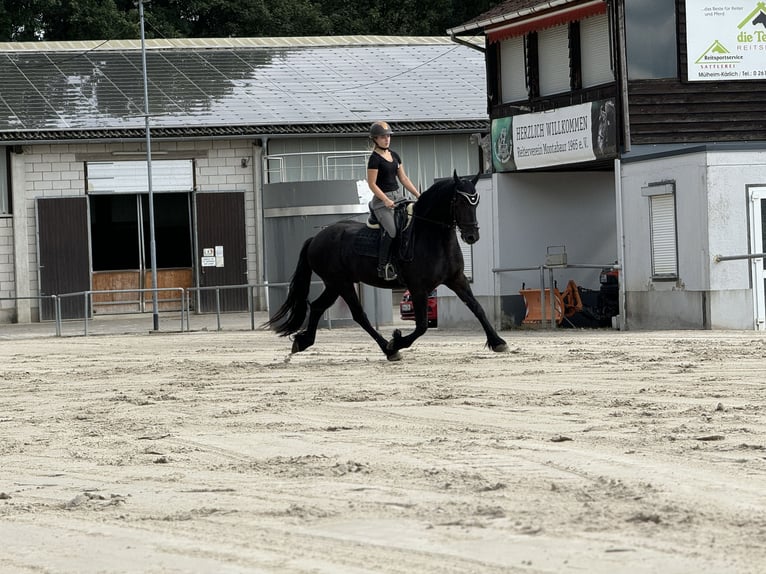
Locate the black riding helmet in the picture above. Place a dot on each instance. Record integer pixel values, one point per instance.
(380, 129)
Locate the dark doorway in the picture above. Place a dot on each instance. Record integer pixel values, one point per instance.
(221, 249)
(121, 248)
(64, 256)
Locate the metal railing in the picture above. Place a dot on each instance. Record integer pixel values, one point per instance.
(88, 301)
(185, 295)
(719, 258)
(551, 269)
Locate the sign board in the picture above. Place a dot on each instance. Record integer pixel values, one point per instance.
(208, 261)
(572, 134)
(726, 40)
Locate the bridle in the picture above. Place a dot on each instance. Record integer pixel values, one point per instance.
(471, 198)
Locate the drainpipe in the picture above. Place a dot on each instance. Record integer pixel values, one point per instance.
(623, 73)
(260, 151)
(620, 243)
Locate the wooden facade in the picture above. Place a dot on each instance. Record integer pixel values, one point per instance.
(659, 111)
(678, 111)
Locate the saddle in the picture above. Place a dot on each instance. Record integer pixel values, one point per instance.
(367, 240)
(402, 216)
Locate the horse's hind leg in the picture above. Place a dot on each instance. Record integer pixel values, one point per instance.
(357, 312)
(306, 338)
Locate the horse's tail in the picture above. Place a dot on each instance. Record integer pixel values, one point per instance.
(296, 304)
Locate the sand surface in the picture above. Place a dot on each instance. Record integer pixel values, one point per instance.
(576, 451)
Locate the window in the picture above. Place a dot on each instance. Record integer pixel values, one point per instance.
(595, 52)
(512, 73)
(650, 35)
(5, 178)
(662, 229)
(553, 51)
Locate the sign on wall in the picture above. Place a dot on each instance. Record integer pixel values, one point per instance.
(131, 176)
(726, 40)
(572, 134)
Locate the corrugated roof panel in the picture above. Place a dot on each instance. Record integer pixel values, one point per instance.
(250, 86)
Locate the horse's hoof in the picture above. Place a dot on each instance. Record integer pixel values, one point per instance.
(501, 348)
(296, 347)
(394, 356)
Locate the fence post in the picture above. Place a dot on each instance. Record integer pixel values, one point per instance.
(218, 307)
(57, 313)
(85, 311)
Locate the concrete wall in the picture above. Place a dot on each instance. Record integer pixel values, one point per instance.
(521, 215)
(7, 275)
(712, 218)
(540, 210)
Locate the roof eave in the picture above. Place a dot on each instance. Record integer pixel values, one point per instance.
(356, 129)
(481, 25)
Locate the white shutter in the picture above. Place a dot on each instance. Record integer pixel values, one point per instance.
(513, 75)
(553, 50)
(4, 179)
(467, 252)
(594, 51)
(662, 214)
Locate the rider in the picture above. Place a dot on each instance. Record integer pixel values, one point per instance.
(383, 169)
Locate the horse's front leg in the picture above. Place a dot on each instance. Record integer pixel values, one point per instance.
(462, 289)
(420, 306)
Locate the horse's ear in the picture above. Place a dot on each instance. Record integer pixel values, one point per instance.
(454, 175)
(475, 179)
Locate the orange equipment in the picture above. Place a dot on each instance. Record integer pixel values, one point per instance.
(566, 304)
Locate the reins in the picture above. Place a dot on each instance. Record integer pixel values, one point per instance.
(471, 198)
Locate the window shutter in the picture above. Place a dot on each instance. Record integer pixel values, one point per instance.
(595, 53)
(553, 51)
(514, 80)
(663, 235)
(467, 252)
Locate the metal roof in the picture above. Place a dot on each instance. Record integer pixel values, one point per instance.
(239, 87)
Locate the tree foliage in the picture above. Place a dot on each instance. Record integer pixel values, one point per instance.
(29, 20)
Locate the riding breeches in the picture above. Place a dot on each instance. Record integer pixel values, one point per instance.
(384, 214)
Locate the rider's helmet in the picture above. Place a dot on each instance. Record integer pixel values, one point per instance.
(380, 129)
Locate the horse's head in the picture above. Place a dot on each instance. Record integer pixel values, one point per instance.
(464, 204)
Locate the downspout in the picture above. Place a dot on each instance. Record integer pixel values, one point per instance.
(467, 44)
(621, 318)
(260, 151)
(623, 74)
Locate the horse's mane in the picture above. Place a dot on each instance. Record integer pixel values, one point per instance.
(435, 197)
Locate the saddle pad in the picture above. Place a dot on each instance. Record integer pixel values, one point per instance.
(366, 242)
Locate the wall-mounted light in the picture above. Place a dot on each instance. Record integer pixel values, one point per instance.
(245, 161)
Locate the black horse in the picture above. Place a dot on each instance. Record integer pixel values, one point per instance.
(435, 259)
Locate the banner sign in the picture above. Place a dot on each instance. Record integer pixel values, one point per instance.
(726, 40)
(573, 134)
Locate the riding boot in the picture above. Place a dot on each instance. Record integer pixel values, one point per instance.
(386, 269)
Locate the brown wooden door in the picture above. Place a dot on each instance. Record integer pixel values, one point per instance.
(221, 236)
(62, 225)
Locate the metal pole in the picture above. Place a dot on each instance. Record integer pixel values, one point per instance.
(553, 298)
(152, 244)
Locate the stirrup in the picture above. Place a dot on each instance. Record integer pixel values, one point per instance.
(387, 272)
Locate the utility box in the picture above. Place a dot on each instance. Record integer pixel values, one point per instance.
(556, 256)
